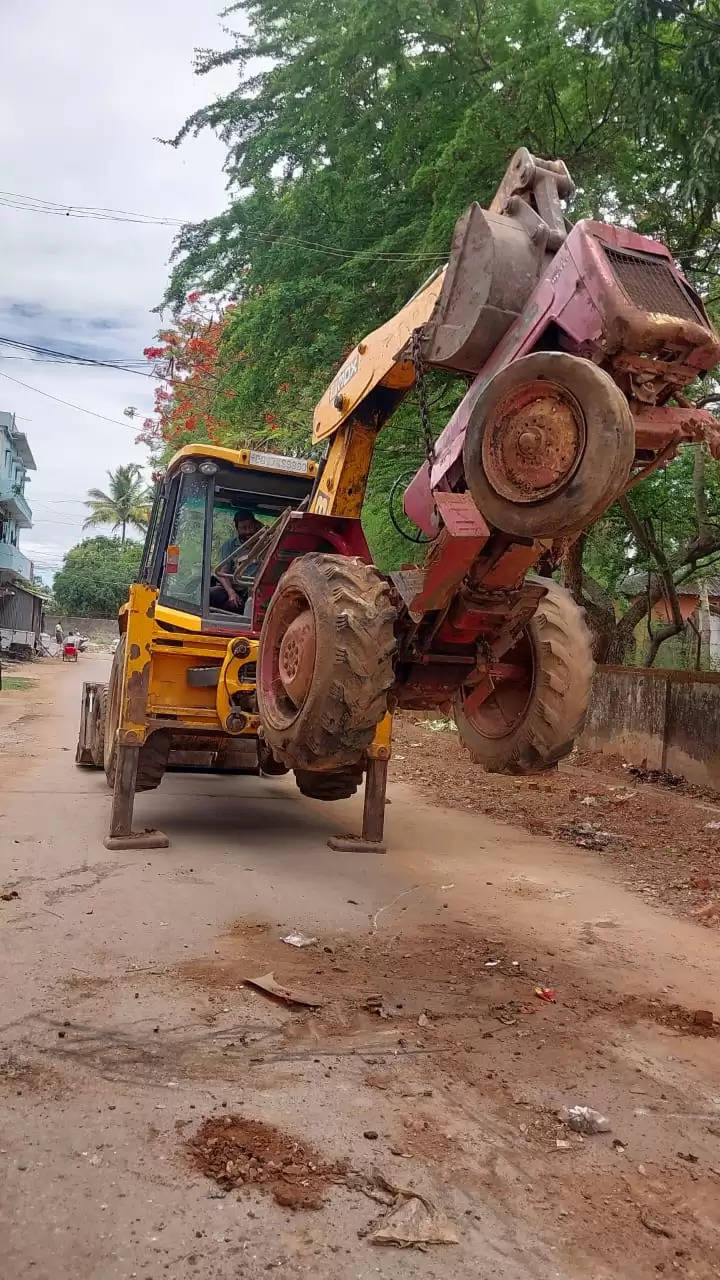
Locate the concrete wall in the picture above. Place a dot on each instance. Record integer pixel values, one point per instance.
(101, 630)
(663, 719)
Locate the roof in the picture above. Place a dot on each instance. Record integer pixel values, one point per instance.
(20, 441)
(636, 584)
(253, 459)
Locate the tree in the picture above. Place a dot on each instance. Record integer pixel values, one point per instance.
(668, 531)
(128, 502)
(356, 135)
(96, 575)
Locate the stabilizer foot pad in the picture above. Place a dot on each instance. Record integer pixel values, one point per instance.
(355, 844)
(138, 840)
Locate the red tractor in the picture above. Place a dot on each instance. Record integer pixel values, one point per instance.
(573, 345)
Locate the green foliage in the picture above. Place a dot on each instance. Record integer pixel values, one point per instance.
(673, 52)
(96, 575)
(18, 683)
(358, 133)
(128, 502)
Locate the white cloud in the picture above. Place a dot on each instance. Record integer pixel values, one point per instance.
(85, 91)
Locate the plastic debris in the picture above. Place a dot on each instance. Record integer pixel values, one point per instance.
(588, 835)
(584, 1120)
(267, 984)
(438, 726)
(546, 993)
(298, 939)
(588, 800)
(621, 797)
(414, 1221)
(492, 964)
(713, 826)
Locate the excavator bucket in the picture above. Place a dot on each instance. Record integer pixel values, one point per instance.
(492, 270)
(496, 258)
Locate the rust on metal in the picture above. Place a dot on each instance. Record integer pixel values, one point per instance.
(533, 441)
(460, 515)
(447, 563)
(136, 691)
(296, 661)
(134, 652)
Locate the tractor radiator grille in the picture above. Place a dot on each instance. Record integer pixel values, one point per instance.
(650, 285)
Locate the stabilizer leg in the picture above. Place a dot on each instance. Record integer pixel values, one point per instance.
(121, 834)
(373, 826)
(84, 750)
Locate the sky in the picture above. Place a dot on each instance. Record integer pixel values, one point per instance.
(85, 92)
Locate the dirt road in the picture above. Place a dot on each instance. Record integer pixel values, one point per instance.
(127, 1026)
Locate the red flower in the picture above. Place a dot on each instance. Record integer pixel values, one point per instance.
(153, 353)
(194, 297)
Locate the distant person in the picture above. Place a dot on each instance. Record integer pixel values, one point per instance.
(59, 634)
(223, 594)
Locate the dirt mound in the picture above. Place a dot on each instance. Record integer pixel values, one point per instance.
(236, 1152)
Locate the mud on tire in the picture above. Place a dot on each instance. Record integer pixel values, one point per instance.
(505, 484)
(550, 712)
(349, 612)
(339, 784)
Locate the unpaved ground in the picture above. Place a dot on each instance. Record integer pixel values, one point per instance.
(662, 837)
(127, 1027)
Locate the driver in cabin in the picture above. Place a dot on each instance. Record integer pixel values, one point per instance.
(223, 594)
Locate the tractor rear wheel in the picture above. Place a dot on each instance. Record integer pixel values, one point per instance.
(325, 662)
(531, 719)
(549, 445)
(339, 784)
(154, 751)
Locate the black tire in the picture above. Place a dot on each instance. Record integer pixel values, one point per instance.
(90, 754)
(558, 645)
(97, 748)
(112, 713)
(269, 766)
(339, 784)
(155, 749)
(600, 414)
(353, 619)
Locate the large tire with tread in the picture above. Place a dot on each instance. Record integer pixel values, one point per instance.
(545, 717)
(154, 751)
(549, 445)
(348, 662)
(339, 784)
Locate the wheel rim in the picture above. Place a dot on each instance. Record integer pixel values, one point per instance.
(533, 441)
(503, 711)
(287, 661)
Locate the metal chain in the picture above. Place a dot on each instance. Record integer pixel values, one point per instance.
(421, 385)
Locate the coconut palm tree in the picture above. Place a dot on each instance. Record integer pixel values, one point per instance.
(128, 501)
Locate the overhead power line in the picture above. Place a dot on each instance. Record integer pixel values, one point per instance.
(67, 357)
(80, 408)
(33, 204)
